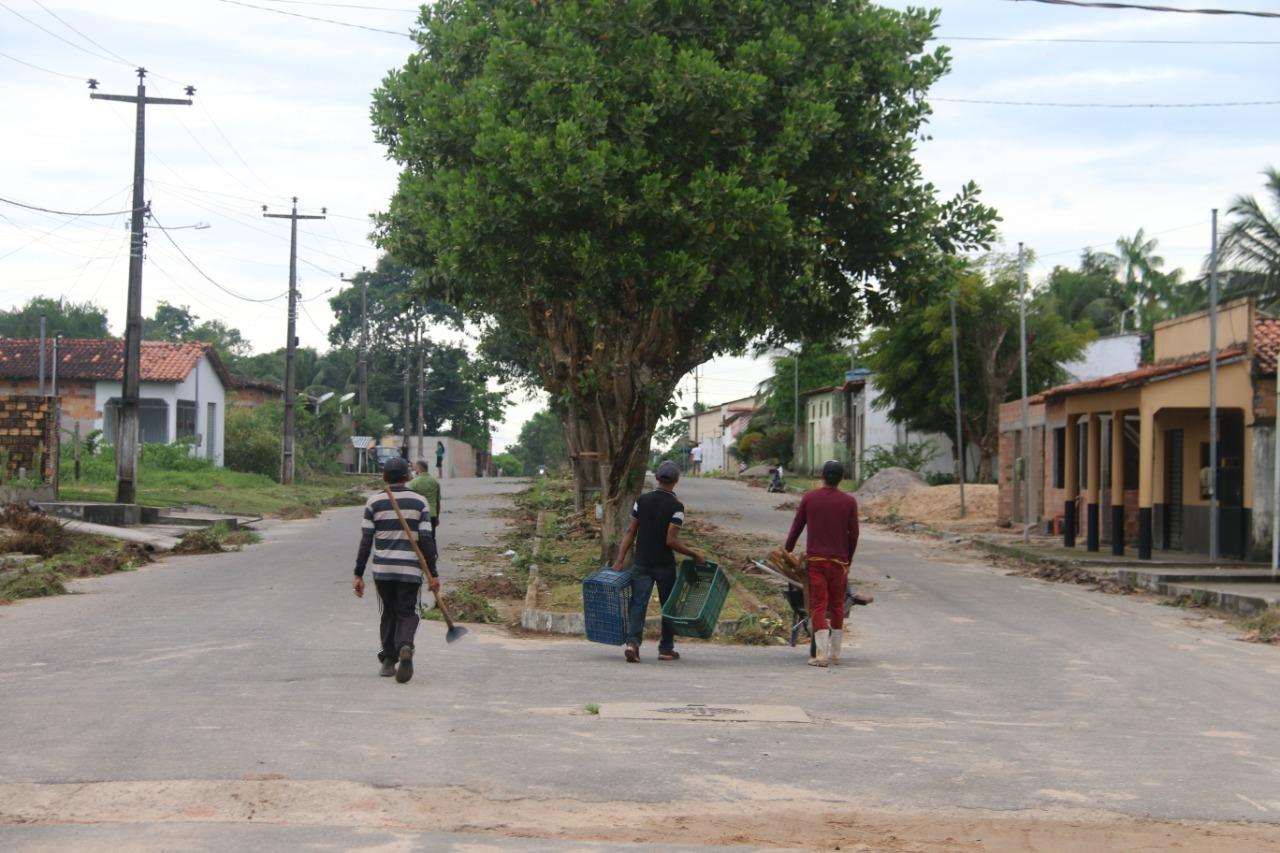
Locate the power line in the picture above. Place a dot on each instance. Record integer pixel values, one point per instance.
(1075, 105)
(45, 29)
(235, 150)
(60, 20)
(63, 212)
(346, 6)
(1146, 8)
(314, 18)
(206, 276)
(1047, 40)
(40, 67)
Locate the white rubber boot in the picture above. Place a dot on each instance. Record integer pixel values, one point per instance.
(833, 655)
(821, 642)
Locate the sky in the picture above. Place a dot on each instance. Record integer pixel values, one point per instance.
(282, 109)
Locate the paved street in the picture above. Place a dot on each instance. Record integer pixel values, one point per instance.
(174, 707)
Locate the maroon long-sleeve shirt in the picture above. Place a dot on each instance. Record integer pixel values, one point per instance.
(832, 518)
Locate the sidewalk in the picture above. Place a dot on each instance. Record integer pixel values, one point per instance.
(1236, 586)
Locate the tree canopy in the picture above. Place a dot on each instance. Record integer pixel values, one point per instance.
(62, 317)
(632, 188)
(177, 323)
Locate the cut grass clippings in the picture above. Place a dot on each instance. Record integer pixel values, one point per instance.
(215, 540)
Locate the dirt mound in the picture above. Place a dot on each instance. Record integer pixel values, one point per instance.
(889, 481)
(935, 505)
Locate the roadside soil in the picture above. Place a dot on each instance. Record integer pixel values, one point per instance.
(760, 823)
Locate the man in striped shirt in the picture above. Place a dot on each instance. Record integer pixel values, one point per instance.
(396, 573)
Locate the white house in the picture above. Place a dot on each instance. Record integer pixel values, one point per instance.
(182, 392)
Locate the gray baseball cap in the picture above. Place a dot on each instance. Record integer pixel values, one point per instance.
(667, 472)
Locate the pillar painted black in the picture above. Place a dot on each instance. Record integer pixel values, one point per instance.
(1117, 530)
(1091, 527)
(1144, 533)
(1069, 524)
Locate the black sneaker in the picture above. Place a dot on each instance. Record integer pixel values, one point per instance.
(632, 654)
(405, 670)
(388, 668)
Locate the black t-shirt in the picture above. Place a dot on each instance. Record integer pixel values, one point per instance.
(655, 512)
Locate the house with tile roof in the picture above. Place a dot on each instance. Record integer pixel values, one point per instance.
(183, 389)
(1125, 459)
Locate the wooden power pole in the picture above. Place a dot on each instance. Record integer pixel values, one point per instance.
(127, 425)
(291, 343)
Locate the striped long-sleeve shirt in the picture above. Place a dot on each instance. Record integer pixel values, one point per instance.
(384, 538)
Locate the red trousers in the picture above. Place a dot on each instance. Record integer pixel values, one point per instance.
(827, 584)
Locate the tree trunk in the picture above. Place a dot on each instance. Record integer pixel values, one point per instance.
(616, 375)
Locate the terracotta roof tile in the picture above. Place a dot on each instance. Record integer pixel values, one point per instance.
(1138, 376)
(1266, 343)
(103, 360)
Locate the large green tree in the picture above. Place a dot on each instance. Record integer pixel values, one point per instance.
(177, 323)
(630, 188)
(912, 363)
(541, 442)
(69, 319)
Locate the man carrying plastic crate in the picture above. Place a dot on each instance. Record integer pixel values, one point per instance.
(656, 519)
(832, 518)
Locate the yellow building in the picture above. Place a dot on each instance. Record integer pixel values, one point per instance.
(1126, 456)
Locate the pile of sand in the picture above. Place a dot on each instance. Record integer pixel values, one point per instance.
(889, 481)
(937, 505)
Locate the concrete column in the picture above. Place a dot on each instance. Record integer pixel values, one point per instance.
(1117, 483)
(1093, 474)
(1071, 477)
(1146, 480)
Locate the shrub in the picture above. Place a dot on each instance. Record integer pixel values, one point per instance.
(913, 456)
(253, 439)
(746, 448)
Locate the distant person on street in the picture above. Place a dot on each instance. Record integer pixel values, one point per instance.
(396, 573)
(656, 519)
(695, 459)
(832, 518)
(429, 487)
(440, 459)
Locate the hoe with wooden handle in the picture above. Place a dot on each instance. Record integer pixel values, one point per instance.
(455, 631)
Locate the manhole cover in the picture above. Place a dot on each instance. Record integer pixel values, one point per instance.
(722, 712)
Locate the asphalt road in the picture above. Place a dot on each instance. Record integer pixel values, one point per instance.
(962, 689)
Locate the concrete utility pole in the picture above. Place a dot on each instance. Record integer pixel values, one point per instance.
(955, 370)
(422, 390)
(406, 409)
(1213, 388)
(127, 428)
(291, 341)
(43, 344)
(53, 378)
(362, 365)
(1026, 417)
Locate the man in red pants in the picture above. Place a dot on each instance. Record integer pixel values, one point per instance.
(832, 518)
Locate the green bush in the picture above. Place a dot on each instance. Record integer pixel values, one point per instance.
(177, 456)
(913, 456)
(253, 439)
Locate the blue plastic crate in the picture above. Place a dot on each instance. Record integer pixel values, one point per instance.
(605, 598)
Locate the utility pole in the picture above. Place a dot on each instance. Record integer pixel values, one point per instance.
(1213, 388)
(955, 370)
(291, 342)
(422, 391)
(406, 410)
(127, 428)
(43, 344)
(362, 365)
(1026, 418)
(696, 419)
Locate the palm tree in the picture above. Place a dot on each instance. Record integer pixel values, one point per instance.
(1251, 245)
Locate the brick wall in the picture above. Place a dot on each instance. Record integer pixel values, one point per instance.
(78, 398)
(29, 429)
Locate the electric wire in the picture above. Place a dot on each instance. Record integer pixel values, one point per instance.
(46, 237)
(208, 277)
(212, 310)
(60, 38)
(1143, 7)
(64, 23)
(345, 6)
(65, 212)
(401, 33)
(212, 158)
(1048, 40)
(40, 67)
(236, 151)
(72, 218)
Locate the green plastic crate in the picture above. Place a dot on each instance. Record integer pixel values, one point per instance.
(694, 606)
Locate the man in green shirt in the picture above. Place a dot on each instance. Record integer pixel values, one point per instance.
(429, 487)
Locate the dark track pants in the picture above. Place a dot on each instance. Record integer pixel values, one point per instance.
(399, 604)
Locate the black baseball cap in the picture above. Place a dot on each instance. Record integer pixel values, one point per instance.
(668, 472)
(396, 468)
